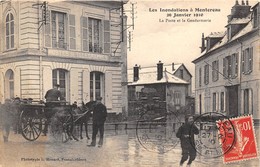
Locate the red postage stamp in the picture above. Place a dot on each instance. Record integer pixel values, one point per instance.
(244, 146)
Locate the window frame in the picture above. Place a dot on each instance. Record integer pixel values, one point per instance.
(93, 81)
(10, 35)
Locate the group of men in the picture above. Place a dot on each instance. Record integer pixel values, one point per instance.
(53, 98)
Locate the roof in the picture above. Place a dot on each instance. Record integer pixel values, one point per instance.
(239, 20)
(148, 75)
(224, 40)
(216, 34)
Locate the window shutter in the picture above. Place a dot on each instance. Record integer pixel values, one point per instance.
(217, 70)
(250, 63)
(47, 31)
(107, 41)
(243, 62)
(108, 90)
(236, 64)
(224, 68)
(72, 32)
(84, 25)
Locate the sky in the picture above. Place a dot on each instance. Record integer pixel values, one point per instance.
(176, 42)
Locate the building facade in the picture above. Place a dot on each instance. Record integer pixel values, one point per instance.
(161, 89)
(227, 71)
(78, 45)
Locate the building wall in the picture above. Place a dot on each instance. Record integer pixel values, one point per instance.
(186, 76)
(32, 61)
(250, 81)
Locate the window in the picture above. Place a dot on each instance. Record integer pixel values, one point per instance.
(94, 32)
(215, 71)
(95, 35)
(9, 31)
(58, 30)
(230, 66)
(200, 77)
(59, 76)
(200, 104)
(9, 84)
(177, 98)
(248, 99)
(247, 61)
(96, 85)
(214, 104)
(181, 73)
(222, 98)
(206, 74)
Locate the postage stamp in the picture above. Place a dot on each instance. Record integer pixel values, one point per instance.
(207, 142)
(245, 146)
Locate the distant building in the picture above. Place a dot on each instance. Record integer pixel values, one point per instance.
(228, 70)
(165, 88)
(76, 44)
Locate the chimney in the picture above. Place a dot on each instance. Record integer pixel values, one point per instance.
(159, 70)
(173, 66)
(247, 2)
(202, 43)
(136, 73)
(237, 2)
(243, 3)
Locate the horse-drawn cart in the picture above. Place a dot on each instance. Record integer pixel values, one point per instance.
(35, 116)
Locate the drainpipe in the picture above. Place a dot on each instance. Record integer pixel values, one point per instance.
(40, 48)
(240, 75)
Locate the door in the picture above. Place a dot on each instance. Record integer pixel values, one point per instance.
(232, 100)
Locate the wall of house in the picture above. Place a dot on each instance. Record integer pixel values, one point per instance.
(250, 81)
(186, 77)
(32, 62)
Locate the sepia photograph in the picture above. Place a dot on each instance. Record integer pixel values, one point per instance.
(129, 83)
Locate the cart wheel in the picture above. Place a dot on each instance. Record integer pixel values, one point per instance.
(61, 125)
(31, 126)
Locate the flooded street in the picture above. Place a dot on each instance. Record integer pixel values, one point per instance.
(120, 149)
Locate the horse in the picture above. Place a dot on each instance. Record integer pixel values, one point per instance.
(83, 115)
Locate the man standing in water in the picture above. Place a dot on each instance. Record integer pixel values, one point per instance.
(186, 134)
(99, 118)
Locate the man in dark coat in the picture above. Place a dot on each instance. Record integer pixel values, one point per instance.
(99, 118)
(186, 134)
(52, 96)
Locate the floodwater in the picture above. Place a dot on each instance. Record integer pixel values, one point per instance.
(121, 149)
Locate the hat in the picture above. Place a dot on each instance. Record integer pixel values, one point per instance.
(99, 98)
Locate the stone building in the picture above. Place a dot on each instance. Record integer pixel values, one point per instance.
(227, 71)
(77, 44)
(161, 89)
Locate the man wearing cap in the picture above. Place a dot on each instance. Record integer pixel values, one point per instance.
(99, 118)
(52, 96)
(186, 135)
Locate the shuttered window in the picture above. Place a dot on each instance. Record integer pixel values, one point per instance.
(72, 32)
(215, 69)
(247, 61)
(206, 74)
